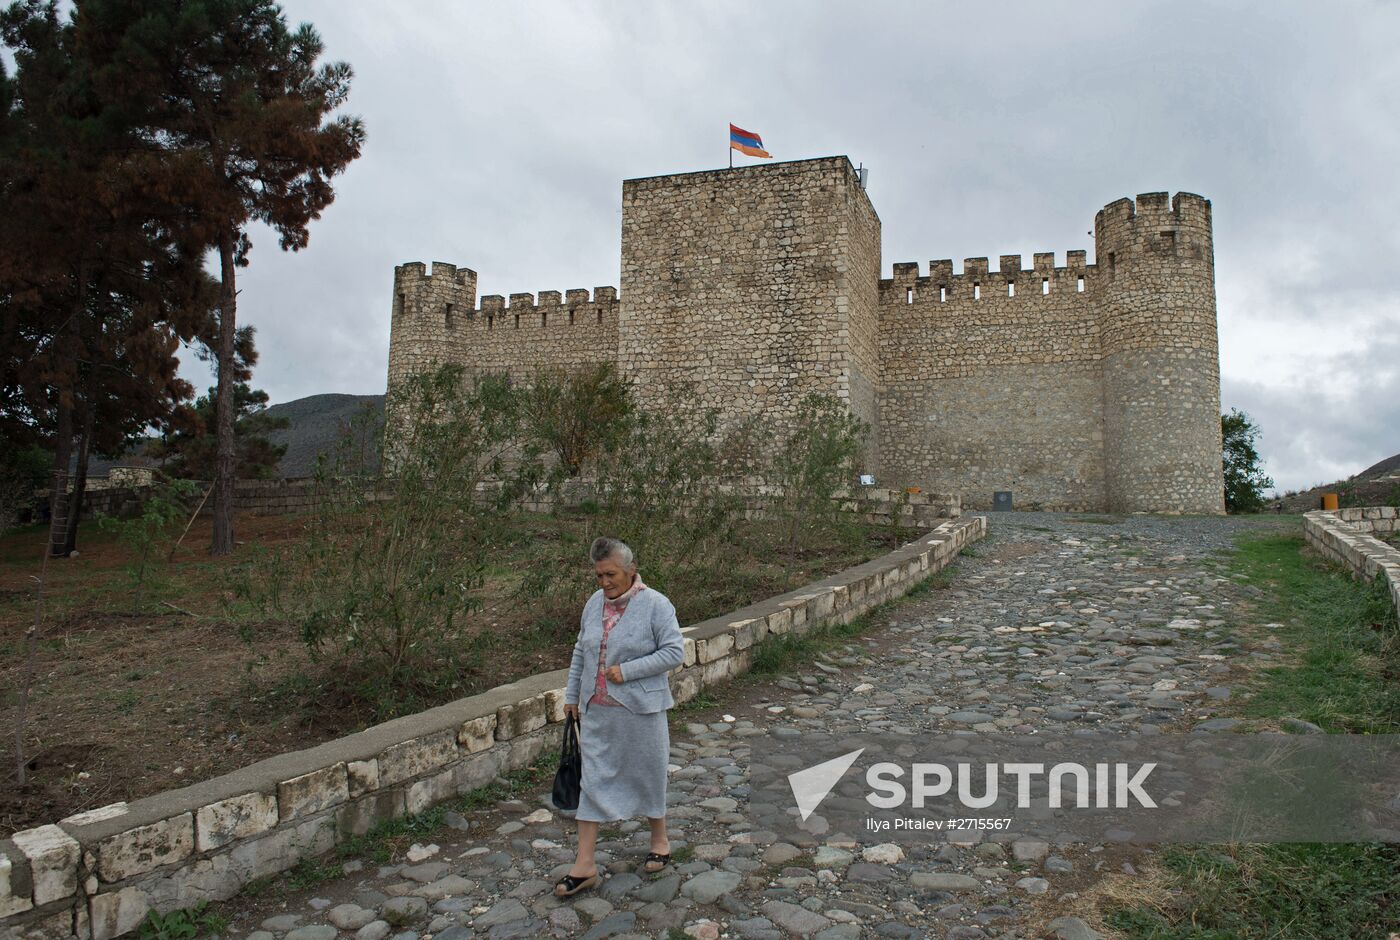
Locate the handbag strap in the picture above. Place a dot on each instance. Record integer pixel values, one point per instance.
(570, 736)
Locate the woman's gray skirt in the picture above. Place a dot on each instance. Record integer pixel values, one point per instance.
(624, 763)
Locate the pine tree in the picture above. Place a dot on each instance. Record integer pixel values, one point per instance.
(238, 101)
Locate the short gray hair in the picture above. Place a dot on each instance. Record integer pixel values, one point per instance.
(605, 547)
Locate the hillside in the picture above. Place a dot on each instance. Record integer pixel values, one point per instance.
(1373, 486)
(316, 423)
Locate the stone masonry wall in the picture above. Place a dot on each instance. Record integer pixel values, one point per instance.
(743, 288)
(1347, 537)
(992, 381)
(95, 875)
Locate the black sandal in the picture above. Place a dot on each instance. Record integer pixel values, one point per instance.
(656, 857)
(573, 886)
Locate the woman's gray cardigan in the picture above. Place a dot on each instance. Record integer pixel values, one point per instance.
(646, 642)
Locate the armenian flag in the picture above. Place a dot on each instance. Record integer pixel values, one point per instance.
(747, 142)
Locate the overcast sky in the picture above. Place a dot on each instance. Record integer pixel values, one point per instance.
(499, 136)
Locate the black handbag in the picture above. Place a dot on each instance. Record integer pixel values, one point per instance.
(569, 776)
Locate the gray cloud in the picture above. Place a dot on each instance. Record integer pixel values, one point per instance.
(499, 136)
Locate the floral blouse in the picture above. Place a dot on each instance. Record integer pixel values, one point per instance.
(612, 612)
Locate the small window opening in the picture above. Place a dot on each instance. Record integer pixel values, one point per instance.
(1079, 285)
(571, 318)
(544, 319)
(1113, 261)
(517, 321)
(976, 291)
(600, 314)
(1010, 289)
(447, 316)
(909, 295)
(490, 321)
(943, 294)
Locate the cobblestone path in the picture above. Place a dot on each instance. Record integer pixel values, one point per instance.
(1053, 621)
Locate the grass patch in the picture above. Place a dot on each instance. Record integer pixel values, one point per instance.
(182, 924)
(682, 854)
(1289, 891)
(1347, 674)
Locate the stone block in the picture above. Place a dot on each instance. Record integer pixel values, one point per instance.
(87, 817)
(62, 924)
(362, 776)
(16, 890)
(114, 913)
(477, 734)
(313, 792)
(282, 848)
(226, 821)
(840, 597)
(521, 718)
(685, 684)
(477, 770)
(780, 621)
(522, 751)
(418, 756)
(145, 848)
(53, 862)
(821, 606)
(690, 652)
(430, 791)
(361, 815)
(554, 705)
(715, 647)
(743, 634)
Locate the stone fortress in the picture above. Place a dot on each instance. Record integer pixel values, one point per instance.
(1081, 387)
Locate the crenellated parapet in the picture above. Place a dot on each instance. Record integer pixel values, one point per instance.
(552, 309)
(977, 282)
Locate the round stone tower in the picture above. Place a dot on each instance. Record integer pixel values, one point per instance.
(429, 310)
(1161, 360)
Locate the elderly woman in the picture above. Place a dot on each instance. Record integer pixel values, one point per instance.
(628, 640)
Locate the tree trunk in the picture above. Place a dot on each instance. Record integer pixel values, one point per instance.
(58, 493)
(222, 543)
(75, 500)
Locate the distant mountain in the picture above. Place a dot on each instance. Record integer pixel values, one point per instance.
(316, 424)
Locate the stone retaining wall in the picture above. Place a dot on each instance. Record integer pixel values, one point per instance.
(95, 875)
(1345, 536)
(878, 505)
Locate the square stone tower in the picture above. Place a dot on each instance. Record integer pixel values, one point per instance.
(748, 288)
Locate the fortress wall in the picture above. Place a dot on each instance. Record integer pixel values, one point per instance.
(858, 308)
(526, 334)
(436, 319)
(984, 390)
(732, 280)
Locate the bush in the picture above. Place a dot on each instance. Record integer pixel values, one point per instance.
(168, 504)
(386, 575)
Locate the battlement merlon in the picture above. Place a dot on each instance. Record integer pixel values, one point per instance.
(1183, 209)
(524, 302)
(413, 272)
(906, 273)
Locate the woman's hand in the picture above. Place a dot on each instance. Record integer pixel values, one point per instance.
(613, 673)
(571, 711)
